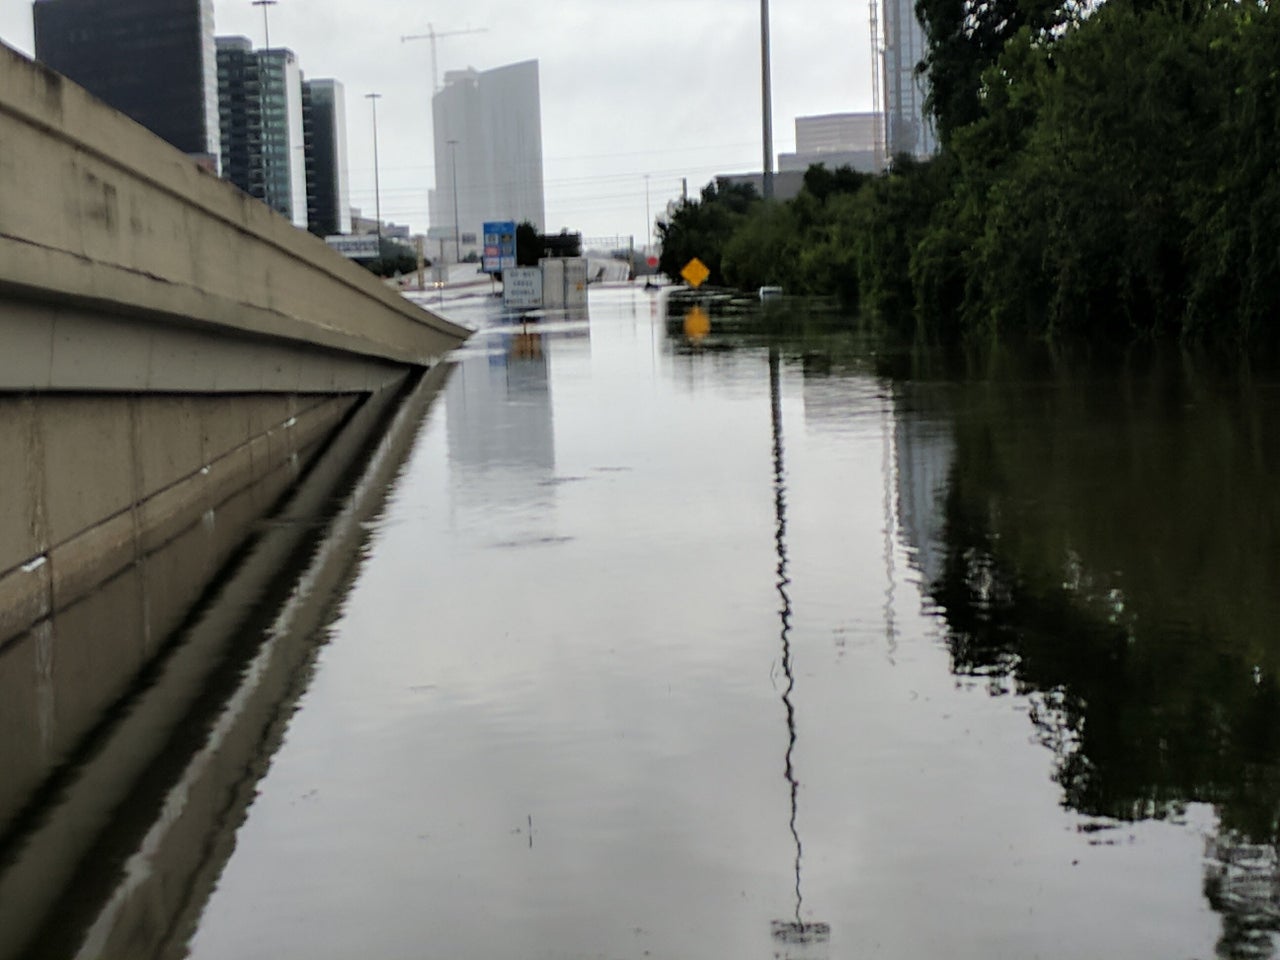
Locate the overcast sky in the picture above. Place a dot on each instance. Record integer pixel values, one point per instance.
(664, 88)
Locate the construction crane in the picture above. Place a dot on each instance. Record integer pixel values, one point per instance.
(433, 36)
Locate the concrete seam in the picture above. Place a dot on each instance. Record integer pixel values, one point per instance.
(40, 494)
(294, 434)
(135, 510)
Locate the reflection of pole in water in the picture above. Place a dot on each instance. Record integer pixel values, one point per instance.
(780, 539)
(794, 933)
(890, 527)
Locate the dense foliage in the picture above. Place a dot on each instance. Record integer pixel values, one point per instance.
(1114, 174)
(397, 259)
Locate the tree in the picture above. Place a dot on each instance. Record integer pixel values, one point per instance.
(965, 38)
(528, 249)
(701, 228)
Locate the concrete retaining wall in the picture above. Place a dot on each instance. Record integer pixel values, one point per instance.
(96, 210)
(98, 483)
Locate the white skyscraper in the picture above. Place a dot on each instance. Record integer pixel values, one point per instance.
(488, 153)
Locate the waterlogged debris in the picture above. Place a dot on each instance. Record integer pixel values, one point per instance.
(797, 940)
(556, 481)
(533, 542)
(792, 931)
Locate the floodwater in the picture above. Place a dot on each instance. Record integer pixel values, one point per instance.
(734, 633)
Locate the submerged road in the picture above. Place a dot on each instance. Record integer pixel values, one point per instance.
(632, 646)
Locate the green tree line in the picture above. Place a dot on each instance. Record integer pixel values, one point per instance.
(1107, 169)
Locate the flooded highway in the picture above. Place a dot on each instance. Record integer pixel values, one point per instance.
(721, 631)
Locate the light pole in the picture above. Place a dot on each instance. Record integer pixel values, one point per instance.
(266, 29)
(648, 221)
(264, 78)
(457, 236)
(377, 192)
(766, 100)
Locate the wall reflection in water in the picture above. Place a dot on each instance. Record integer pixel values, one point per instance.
(116, 852)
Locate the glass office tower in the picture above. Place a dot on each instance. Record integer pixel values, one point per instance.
(152, 60)
(324, 129)
(260, 116)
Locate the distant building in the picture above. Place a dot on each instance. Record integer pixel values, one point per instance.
(786, 183)
(324, 131)
(152, 60)
(260, 116)
(835, 140)
(908, 128)
(836, 132)
(362, 225)
(488, 153)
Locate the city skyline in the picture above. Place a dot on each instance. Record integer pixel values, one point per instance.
(664, 92)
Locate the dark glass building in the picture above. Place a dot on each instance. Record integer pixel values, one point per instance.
(152, 60)
(324, 125)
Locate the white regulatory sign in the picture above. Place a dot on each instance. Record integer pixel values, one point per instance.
(357, 248)
(522, 287)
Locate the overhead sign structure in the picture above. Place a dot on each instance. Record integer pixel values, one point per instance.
(499, 246)
(364, 247)
(695, 273)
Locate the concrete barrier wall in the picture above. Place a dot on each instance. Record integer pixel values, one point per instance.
(96, 210)
(232, 680)
(96, 484)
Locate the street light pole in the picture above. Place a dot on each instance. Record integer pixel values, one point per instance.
(648, 221)
(377, 192)
(457, 236)
(766, 100)
(264, 78)
(266, 29)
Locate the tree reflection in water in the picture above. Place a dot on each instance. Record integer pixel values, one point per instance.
(1110, 552)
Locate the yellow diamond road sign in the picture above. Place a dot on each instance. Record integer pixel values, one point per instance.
(695, 272)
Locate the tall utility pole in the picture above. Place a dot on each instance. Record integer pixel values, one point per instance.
(433, 37)
(648, 221)
(266, 28)
(877, 66)
(373, 99)
(766, 100)
(264, 76)
(457, 235)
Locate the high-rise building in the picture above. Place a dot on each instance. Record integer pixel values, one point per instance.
(152, 60)
(908, 128)
(324, 128)
(260, 116)
(488, 153)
